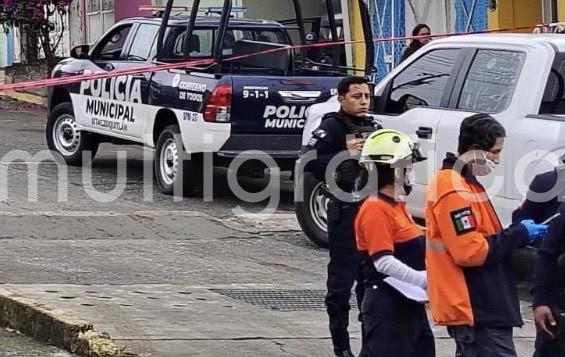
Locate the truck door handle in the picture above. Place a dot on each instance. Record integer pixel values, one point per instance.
(424, 132)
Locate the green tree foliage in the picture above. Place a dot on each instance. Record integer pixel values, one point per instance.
(35, 19)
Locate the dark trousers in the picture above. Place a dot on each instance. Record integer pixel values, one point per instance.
(474, 341)
(549, 347)
(393, 326)
(343, 271)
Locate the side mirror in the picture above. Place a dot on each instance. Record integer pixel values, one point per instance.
(409, 101)
(80, 52)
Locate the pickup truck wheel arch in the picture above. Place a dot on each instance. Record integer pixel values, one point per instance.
(163, 119)
(176, 173)
(311, 212)
(59, 96)
(64, 138)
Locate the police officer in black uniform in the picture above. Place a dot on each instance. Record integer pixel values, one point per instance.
(543, 200)
(342, 133)
(549, 291)
(542, 197)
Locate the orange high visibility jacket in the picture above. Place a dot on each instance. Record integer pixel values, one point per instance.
(384, 227)
(470, 280)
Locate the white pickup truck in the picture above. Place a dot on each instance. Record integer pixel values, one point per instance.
(517, 78)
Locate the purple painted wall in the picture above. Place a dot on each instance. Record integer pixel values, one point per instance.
(129, 8)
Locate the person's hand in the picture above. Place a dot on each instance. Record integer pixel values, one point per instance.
(535, 231)
(354, 146)
(544, 320)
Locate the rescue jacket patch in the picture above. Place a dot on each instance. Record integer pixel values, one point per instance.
(463, 220)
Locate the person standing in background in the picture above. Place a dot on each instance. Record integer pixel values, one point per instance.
(417, 43)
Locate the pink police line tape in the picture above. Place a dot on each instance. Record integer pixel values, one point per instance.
(69, 79)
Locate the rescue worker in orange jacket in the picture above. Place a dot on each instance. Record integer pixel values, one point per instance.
(392, 245)
(470, 284)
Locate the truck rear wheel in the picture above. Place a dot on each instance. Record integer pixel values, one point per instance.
(312, 211)
(171, 169)
(63, 136)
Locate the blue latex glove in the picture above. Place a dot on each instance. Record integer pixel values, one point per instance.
(535, 231)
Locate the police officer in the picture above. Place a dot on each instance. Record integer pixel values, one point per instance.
(341, 133)
(549, 291)
(392, 246)
(542, 198)
(470, 282)
(541, 203)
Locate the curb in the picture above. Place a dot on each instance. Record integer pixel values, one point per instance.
(26, 97)
(56, 328)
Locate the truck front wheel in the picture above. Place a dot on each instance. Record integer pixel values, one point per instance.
(176, 174)
(64, 138)
(312, 211)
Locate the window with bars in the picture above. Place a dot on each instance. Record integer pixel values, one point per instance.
(100, 5)
(94, 5)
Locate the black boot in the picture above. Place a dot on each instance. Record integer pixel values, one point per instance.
(346, 353)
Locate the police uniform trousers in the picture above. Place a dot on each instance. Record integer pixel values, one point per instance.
(549, 347)
(394, 326)
(482, 341)
(343, 271)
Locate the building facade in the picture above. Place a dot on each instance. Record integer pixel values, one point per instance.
(87, 20)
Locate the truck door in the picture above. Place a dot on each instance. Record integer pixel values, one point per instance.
(488, 86)
(413, 99)
(112, 105)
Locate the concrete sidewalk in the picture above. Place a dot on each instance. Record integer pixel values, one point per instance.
(176, 320)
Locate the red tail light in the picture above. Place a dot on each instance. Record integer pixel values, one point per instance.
(218, 105)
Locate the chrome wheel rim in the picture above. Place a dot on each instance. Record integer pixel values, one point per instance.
(66, 136)
(168, 162)
(319, 207)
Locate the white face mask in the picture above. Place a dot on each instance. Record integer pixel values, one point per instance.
(482, 169)
(410, 178)
(405, 181)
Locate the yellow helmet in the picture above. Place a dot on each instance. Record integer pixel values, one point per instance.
(389, 146)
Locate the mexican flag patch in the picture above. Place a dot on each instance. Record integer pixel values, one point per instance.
(463, 220)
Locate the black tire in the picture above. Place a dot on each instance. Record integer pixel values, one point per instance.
(311, 212)
(172, 167)
(64, 138)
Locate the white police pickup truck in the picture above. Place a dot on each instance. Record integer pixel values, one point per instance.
(518, 78)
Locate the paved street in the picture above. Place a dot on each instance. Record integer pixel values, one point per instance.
(163, 278)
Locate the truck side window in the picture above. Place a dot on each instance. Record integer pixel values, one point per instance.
(143, 42)
(491, 81)
(423, 82)
(553, 101)
(111, 46)
(201, 43)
